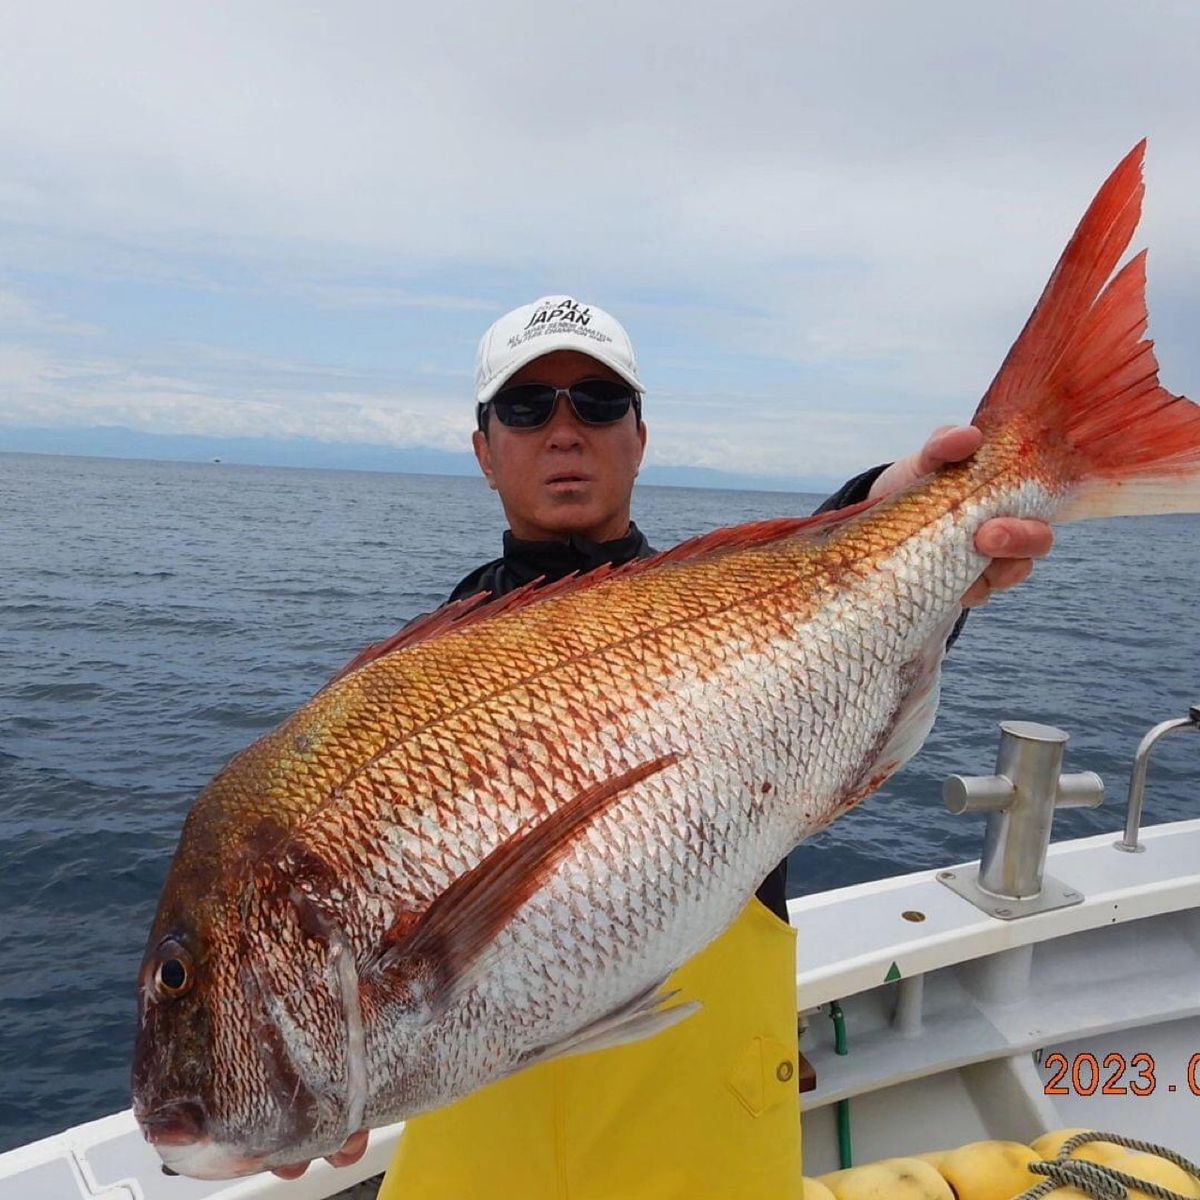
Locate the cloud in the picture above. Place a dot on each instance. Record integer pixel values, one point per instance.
(771, 440)
(326, 294)
(20, 313)
(460, 129)
(43, 392)
(23, 369)
(836, 215)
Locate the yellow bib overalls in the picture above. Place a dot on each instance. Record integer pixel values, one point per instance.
(707, 1110)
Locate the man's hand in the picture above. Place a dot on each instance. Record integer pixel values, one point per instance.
(1012, 544)
(352, 1150)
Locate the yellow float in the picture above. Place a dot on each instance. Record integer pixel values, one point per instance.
(994, 1171)
(889, 1179)
(815, 1190)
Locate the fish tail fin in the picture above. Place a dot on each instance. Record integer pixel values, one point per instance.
(1079, 389)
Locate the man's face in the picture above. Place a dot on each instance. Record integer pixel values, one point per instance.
(566, 477)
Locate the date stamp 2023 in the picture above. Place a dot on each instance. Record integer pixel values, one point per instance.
(1115, 1075)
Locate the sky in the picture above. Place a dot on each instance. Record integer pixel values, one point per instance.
(822, 224)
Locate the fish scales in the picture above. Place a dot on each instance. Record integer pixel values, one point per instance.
(740, 650)
(674, 827)
(755, 644)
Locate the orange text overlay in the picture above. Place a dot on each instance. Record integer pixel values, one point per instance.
(1115, 1075)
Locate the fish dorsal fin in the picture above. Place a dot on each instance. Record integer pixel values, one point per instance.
(744, 537)
(426, 960)
(460, 614)
(424, 628)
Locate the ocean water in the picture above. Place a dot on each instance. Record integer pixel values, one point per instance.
(156, 617)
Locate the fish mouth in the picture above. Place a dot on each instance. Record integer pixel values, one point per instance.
(206, 1159)
(180, 1133)
(178, 1123)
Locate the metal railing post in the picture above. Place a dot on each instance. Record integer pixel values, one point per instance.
(1137, 776)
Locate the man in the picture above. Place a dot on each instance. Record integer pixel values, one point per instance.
(707, 1108)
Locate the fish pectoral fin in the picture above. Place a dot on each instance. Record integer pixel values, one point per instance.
(426, 961)
(647, 1015)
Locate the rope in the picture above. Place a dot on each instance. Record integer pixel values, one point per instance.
(1100, 1182)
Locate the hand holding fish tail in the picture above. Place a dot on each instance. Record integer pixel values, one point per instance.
(1011, 543)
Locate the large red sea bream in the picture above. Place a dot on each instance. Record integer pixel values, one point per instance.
(491, 840)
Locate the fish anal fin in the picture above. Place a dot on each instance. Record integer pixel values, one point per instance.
(912, 719)
(423, 963)
(914, 715)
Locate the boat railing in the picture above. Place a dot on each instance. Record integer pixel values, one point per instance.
(1020, 799)
(1137, 776)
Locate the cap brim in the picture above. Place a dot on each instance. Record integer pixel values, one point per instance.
(548, 345)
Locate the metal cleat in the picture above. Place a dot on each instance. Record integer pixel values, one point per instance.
(1009, 881)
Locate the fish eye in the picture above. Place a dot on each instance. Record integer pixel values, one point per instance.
(174, 976)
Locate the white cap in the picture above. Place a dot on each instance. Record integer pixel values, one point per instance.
(549, 324)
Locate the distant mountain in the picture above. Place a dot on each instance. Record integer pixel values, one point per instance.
(112, 441)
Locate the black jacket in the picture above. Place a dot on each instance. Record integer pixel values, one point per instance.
(522, 562)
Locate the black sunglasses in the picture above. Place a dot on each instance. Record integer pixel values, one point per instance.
(530, 405)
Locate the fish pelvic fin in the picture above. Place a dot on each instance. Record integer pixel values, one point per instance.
(1080, 385)
(646, 1015)
(426, 961)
